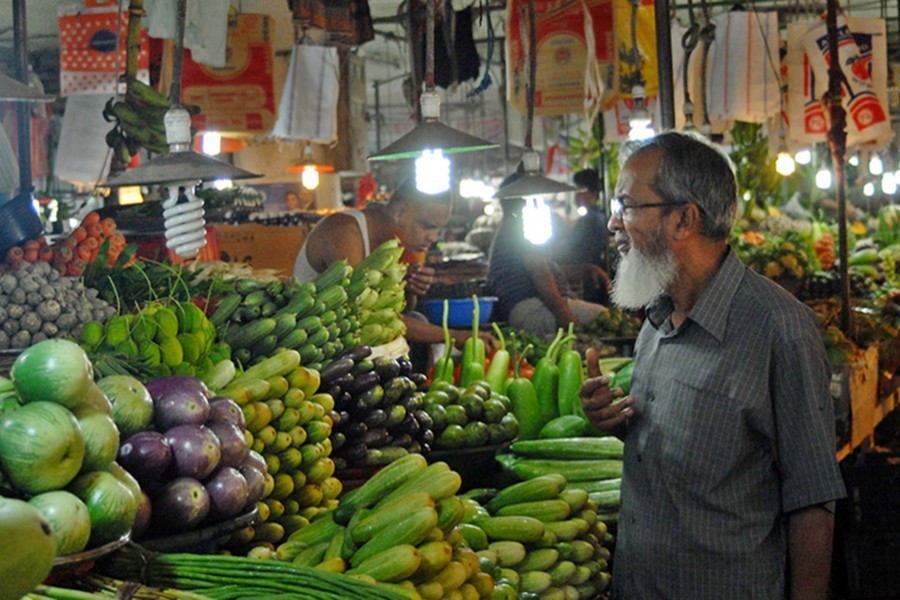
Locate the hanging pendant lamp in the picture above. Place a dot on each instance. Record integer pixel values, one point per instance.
(430, 134)
(533, 182)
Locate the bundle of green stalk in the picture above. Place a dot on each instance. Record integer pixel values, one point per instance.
(231, 577)
(541, 537)
(314, 318)
(401, 528)
(289, 425)
(90, 586)
(594, 464)
(377, 287)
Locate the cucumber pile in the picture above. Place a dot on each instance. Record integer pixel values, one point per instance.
(401, 527)
(379, 403)
(594, 464)
(469, 417)
(315, 319)
(542, 539)
(377, 287)
(288, 423)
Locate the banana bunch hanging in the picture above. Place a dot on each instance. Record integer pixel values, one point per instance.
(139, 121)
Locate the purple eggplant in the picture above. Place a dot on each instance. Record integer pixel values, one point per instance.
(424, 419)
(336, 370)
(364, 366)
(426, 436)
(376, 418)
(335, 417)
(420, 379)
(354, 453)
(404, 440)
(377, 437)
(338, 439)
(406, 366)
(355, 429)
(373, 396)
(363, 382)
(387, 367)
(358, 353)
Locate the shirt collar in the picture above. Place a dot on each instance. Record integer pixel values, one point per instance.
(711, 310)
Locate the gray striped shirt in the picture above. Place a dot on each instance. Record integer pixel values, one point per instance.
(733, 429)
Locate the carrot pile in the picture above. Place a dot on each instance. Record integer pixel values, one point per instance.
(71, 255)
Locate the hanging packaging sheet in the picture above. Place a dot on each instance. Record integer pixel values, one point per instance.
(82, 156)
(561, 54)
(863, 58)
(205, 27)
(89, 58)
(308, 107)
(743, 78)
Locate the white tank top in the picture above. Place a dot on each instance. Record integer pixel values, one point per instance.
(304, 271)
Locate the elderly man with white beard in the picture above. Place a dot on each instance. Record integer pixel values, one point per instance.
(729, 469)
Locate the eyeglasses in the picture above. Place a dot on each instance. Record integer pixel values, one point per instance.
(618, 209)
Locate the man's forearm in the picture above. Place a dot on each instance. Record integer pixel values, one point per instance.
(422, 332)
(809, 552)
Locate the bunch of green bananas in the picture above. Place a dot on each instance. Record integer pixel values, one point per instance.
(138, 121)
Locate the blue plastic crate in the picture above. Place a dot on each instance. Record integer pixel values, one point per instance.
(460, 311)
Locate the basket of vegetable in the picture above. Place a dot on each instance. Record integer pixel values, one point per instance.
(206, 540)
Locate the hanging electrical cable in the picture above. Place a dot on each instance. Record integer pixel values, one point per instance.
(486, 80)
(689, 42)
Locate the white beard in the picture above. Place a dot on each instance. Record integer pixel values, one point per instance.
(642, 277)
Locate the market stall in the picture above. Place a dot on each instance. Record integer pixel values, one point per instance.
(182, 418)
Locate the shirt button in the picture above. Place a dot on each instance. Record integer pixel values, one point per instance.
(651, 397)
(640, 458)
(633, 520)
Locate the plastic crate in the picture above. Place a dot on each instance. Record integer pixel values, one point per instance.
(872, 565)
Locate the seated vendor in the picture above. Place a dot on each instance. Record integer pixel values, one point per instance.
(415, 219)
(532, 291)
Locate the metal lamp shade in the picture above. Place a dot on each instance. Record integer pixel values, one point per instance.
(431, 135)
(12, 90)
(179, 166)
(533, 185)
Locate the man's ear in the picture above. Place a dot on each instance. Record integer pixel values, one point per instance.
(689, 221)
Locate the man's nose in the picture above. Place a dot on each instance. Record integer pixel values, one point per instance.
(615, 223)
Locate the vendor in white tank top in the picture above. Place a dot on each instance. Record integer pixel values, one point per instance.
(414, 218)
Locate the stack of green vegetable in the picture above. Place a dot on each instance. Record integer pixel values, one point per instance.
(315, 319)
(592, 463)
(542, 538)
(613, 323)
(379, 409)
(161, 339)
(477, 413)
(289, 425)
(469, 418)
(400, 527)
(37, 303)
(377, 286)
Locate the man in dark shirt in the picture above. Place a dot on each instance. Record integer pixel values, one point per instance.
(587, 244)
(729, 466)
(532, 292)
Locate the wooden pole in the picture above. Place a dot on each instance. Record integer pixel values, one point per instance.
(837, 140)
(23, 109)
(133, 38)
(178, 54)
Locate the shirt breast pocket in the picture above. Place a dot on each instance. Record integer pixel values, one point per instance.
(699, 430)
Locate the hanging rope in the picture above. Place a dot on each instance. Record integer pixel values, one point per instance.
(532, 67)
(689, 42)
(486, 80)
(429, 45)
(178, 54)
(707, 37)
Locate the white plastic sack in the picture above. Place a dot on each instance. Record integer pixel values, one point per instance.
(308, 107)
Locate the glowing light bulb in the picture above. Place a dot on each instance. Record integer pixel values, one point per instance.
(876, 166)
(869, 189)
(641, 126)
(823, 178)
(309, 177)
(185, 225)
(130, 195)
(223, 184)
(784, 164)
(489, 209)
(803, 157)
(581, 210)
(536, 218)
(854, 160)
(747, 196)
(889, 183)
(211, 143)
(432, 172)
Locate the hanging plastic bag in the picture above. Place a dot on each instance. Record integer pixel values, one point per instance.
(308, 107)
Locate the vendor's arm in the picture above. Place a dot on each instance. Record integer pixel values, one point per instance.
(336, 238)
(585, 272)
(809, 552)
(423, 332)
(541, 273)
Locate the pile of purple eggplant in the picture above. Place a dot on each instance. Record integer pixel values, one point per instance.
(378, 414)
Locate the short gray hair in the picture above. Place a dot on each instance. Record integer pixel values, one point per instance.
(693, 170)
